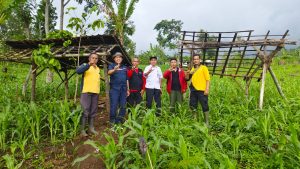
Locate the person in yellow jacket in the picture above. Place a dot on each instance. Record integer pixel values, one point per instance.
(199, 87)
(89, 93)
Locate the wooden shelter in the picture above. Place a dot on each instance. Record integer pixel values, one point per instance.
(104, 45)
(236, 54)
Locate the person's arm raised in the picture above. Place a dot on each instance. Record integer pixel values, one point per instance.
(112, 71)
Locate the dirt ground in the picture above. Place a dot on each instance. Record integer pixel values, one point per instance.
(62, 156)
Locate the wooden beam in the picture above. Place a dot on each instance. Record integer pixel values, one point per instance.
(69, 77)
(276, 83)
(181, 50)
(233, 75)
(66, 84)
(228, 55)
(243, 54)
(40, 72)
(204, 50)
(217, 53)
(33, 81)
(254, 61)
(220, 32)
(262, 88)
(107, 87)
(240, 43)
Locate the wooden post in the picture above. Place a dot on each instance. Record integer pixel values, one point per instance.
(262, 89)
(25, 84)
(276, 82)
(33, 81)
(248, 81)
(105, 69)
(66, 84)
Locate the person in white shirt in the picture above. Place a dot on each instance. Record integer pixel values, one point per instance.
(153, 77)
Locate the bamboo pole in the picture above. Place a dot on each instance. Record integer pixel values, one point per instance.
(105, 69)
(248, 82)
(276, 82)
(66, 84)
(262, 89)
(25, 84)
(33, 81)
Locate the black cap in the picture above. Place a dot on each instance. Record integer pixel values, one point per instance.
(153, 57)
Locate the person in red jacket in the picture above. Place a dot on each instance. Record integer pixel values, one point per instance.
(136, 86)
(176, 84)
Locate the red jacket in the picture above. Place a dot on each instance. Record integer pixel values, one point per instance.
(168, 76)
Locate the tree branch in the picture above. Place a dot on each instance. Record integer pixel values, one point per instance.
(65, 4)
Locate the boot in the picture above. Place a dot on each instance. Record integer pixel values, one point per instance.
(206, 117)
(83, 132)
(91, 126)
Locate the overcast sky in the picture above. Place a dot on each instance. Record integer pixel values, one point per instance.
(213, 15)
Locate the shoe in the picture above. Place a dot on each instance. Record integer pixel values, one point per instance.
(91, 127)
(93, 131)
(83, 133)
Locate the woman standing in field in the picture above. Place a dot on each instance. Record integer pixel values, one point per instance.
(90, 92)
(199, 87)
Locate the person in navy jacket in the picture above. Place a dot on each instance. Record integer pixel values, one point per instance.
(118, 89)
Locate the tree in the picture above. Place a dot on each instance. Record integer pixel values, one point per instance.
(168, 33)
(5, 6)
(119, 18)
(155, 50)
(49, 77)
(63, 4)
(81, 25)
(17, 23)
(129, 30)
(39, 20)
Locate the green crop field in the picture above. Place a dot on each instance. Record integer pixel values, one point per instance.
(239, 136)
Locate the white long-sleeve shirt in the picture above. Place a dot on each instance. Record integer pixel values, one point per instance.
(153, 78)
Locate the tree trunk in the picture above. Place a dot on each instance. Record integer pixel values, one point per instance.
(78, 62)
(62, 10)
(49, 77)
(47, 16)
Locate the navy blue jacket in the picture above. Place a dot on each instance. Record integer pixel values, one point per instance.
(119, 78)
(80, 70)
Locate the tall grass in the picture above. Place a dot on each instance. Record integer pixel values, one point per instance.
(240, 135)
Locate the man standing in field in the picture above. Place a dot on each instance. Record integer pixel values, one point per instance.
(176, 84)
(153, 77)
(199, 87)
(118, 89)
(137, 83)
(90, 93)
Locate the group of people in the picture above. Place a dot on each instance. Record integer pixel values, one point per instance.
(128, 85)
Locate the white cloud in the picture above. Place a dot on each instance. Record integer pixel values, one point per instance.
(215, 15)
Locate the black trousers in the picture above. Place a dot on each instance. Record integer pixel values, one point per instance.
(198, 96)
(156, 95)
(134, 98)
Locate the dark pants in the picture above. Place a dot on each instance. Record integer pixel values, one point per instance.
(134, 98)
(117, 100)
(175, 97)
(198, 96)
(156, 95)
(89, 103)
